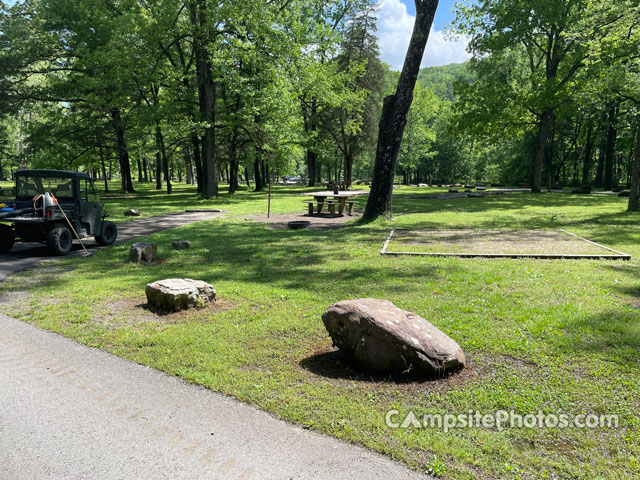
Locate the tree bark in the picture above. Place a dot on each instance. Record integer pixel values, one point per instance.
(188, 165)
(206, 96)
(634, 193)
(348, 168)
(612, 134)
(139, 169)
(104, 171)
(588, 153)
(257, 176)
(123, 152)
(158, 170)
(163, 155)
(309, 114)
(145, 169)
(601, 151)
(394, 114)
(234, 163)
(311, 166)
(265, 173)
(544, 132)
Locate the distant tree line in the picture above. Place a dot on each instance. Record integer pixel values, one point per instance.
(190, 90)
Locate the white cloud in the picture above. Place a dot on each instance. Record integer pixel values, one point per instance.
(394, 31)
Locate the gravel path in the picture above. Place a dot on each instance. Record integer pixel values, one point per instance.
(27, 255)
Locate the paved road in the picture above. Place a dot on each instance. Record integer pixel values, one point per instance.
(72, 412)
(27, 255)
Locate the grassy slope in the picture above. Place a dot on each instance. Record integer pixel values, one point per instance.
(541, 335)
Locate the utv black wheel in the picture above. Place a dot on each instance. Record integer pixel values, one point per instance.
(108, 233)
(60, 241)
(7, 238)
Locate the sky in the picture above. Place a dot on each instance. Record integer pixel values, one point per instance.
(395, 23)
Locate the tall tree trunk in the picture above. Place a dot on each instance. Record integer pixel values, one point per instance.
(257, 176)
(309, 113)
(145, 170)
(104, 171)
(163, 155)
(394, 114)
(544, 133)
(265, 173)
(188, 165)
(139, 169)
(206, 96)
(158, 170)
(601, 151)
(348, 167)
(233, 164)
(612, 134)
(632, 151)
(195, 143)
(634, 193)
(588, 153)
(123, 151)
(311, 166)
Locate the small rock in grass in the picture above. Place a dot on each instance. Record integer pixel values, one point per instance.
(143, 252)
(174, 294)
(132, 212)
(181, 244)
(387, 339)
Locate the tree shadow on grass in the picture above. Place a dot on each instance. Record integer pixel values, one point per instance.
(612, 335)
(328, 264)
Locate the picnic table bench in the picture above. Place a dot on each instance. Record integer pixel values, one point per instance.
(331, 205)
(331, 200)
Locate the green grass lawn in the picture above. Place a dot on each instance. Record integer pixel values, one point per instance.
(552, 336)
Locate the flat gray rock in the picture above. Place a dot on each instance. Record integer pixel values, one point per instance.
(387, 339)
(174, 294)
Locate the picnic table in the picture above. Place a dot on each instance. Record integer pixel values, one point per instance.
(331, 199)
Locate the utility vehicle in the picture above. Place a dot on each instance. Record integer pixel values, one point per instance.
(54, 207)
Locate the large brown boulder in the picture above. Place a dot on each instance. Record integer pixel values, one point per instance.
(173, 294)
(386, 339)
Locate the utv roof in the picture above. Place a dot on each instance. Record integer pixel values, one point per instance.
(50, 173)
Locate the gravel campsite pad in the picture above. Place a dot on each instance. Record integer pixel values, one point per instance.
(493, 242)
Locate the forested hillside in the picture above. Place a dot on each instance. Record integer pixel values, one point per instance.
(442, 79)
